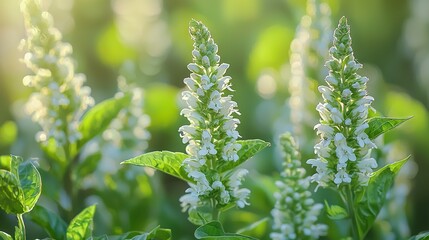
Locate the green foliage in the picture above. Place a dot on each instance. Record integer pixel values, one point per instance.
(159, 234)
(54, 152)
(19, 235)
(164, 161)
(248, 149)
(200, 216)
(380, 125)
(31, 184)
(420, 236)
(20, 182)
(49, 221)
(214, 230)
(81, 226)
(88, 165)
(5, 236)
(98, 118)
(156, 234)
(335, 212)
(256, 228)
(21, 187)
(11, 199)
(370, 201)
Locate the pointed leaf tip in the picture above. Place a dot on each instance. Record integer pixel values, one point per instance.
(370, 201)
(335, 212)
(210, 229)
(248, 149)
(81, 226)
(380, 125)
(164, 161)
(99, 117)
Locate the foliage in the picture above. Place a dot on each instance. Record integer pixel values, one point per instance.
(213, 152)
(82, 134)
(21, 186)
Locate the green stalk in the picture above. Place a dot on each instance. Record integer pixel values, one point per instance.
(68, 182)
(21, 226)
(349, 201)
(215, 211)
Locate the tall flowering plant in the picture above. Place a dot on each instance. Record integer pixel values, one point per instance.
(211, 135)
(59, 96)
(346, 132)
(295, 213)
(213, 151)
(60, 104)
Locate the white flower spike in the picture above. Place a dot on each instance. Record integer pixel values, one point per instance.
(211, 134)
(295, 213)
(59, 98)
(344, 149)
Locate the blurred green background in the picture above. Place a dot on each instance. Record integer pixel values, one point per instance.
(390, 37)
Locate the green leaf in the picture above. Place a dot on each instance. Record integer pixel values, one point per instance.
(5, 236)
(335, 212)
(200, 215)
(210, 229)
(19, 235)
(49, 221)
(89, 165)
(30, 183)
(214, 230)
(21, 187)
(81, 226)
(380, 125)
(98, 118)
(420, 236)
(104, 237)
(124, 236)
(14, 165)
(370, 201)
(164, 161)
(159, 234)
(248, 149)
(257, 228)
(155, 234)
(53, 151)
(11, 197)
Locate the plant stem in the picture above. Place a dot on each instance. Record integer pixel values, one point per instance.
(68, 182)
(349, 198)
(215, 212)
(21, 226)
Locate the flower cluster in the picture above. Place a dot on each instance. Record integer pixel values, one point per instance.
(344, 149)
(295, 213)
(211, 135)
(129, 129)
(127, 134)
(59, 98)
